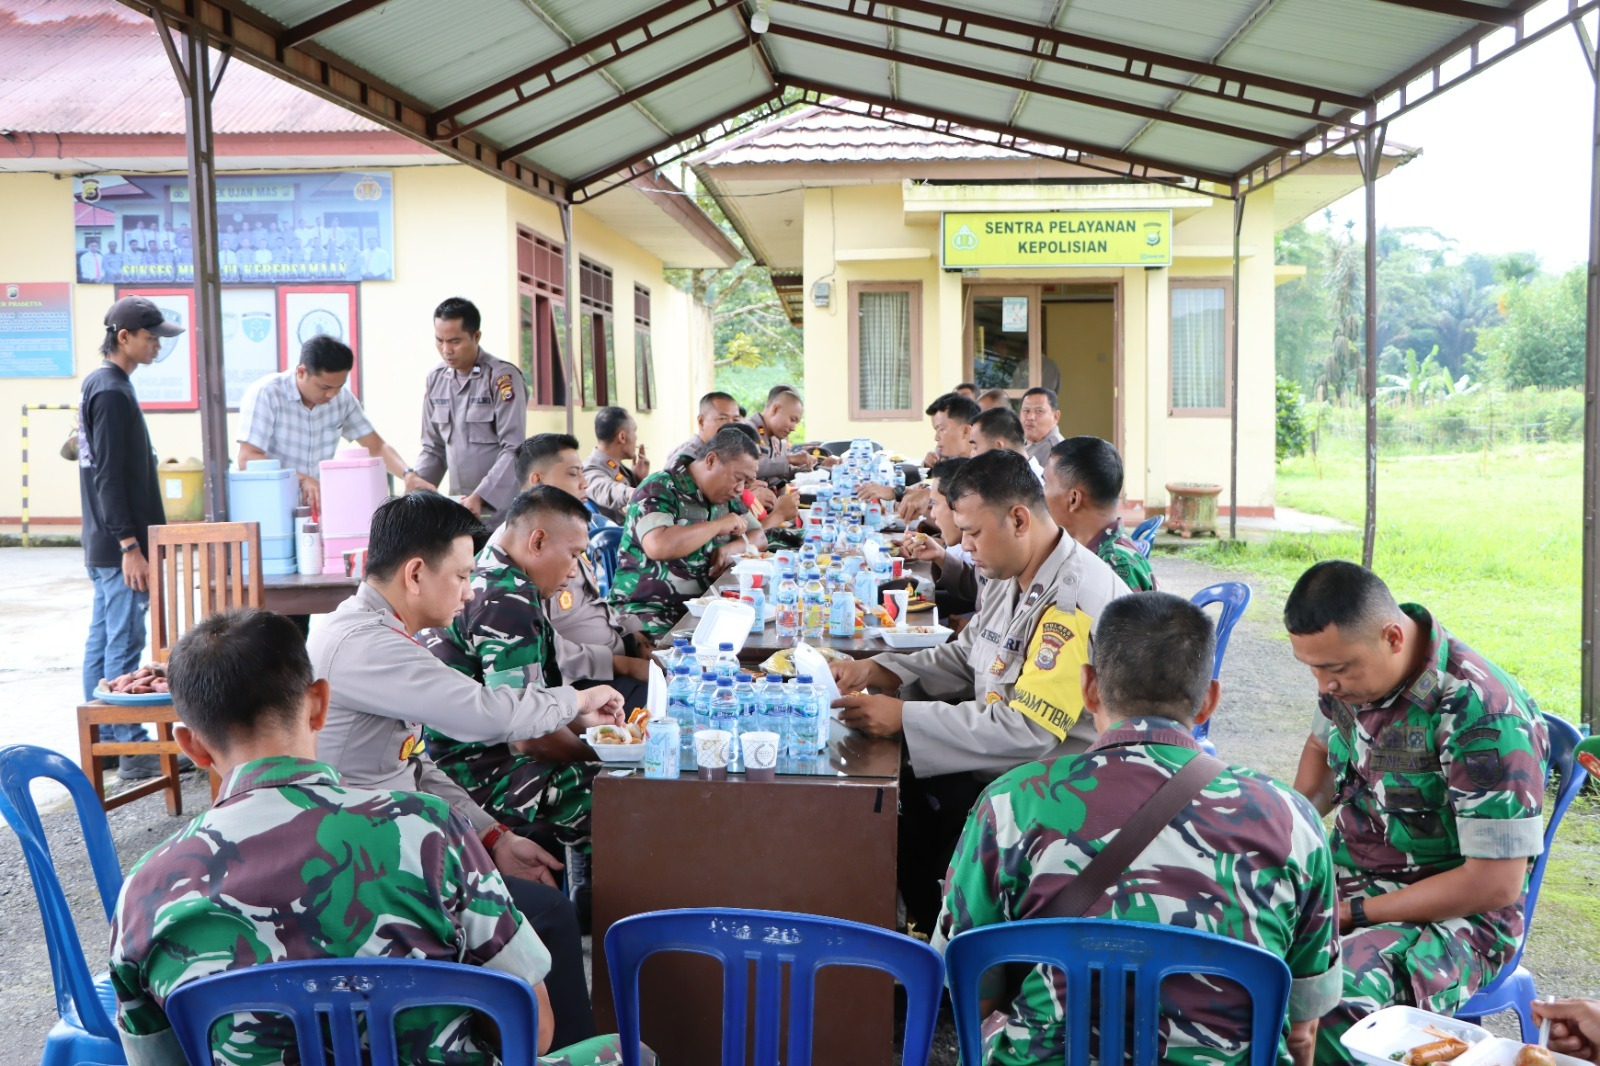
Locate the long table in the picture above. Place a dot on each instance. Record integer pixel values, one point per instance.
(821, 839)
(306, 593)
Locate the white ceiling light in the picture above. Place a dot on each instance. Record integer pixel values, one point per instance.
(760, 22)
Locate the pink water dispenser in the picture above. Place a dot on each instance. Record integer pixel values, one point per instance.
(353, 485)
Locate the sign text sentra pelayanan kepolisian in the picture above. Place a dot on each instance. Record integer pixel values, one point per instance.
(1056, 238)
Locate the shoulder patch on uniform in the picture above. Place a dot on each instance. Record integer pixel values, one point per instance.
(612, 463)
(565, 599)
(1484, 768)
(1050, 689)
(502, 385)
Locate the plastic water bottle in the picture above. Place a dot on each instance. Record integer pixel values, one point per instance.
(899, 480)
(775, 713)
(727, 664)
(803, 718)
(813, 607)
(842, 615)
(663, 748)
(882, 569)
(680, 703)
(725, 714)
(833, 578)
(749, 704)
(680, 647)
(866, 588)
(853, 537)
(702, 701)
(787, 596)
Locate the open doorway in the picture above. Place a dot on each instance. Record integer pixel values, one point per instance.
(1078, 341)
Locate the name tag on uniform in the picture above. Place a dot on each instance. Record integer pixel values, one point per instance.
(1050, 690)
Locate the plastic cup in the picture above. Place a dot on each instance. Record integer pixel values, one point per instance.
(355, 563)
(760, 755)
(712, 747)
(897, 602)
(899, 567)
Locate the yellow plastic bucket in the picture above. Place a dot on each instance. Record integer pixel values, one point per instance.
(182, 490)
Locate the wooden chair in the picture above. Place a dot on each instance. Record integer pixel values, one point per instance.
(196, 570)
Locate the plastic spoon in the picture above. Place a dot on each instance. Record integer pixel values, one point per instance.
(1544, 1026)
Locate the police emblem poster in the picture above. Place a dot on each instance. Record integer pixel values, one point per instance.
(249, 340)
(304, 312)
(171, 383)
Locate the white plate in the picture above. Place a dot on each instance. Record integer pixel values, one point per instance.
(904, 638)
(1379, 1035)
(614, 752)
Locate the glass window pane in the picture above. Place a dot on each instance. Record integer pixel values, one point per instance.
(586, 357)
(525, 343)
(884, 372)
(557, 354)
(610, 362)
(644, 371)
(1000, 342)
(1199, 352)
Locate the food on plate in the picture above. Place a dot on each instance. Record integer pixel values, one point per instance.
(145, 680)
(615, 734)
(782, 662)
(918, 602)
(1534, 1055)
(923, 631)
(1446, 1049)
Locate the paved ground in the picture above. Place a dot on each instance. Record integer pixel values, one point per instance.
(44, 601)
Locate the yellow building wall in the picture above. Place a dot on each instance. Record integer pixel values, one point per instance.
(455, 235)
(859, 233)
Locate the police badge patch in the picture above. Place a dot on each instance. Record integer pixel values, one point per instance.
(502, 385)
(1054, 637)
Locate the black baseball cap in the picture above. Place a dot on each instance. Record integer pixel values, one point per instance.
(134, 313)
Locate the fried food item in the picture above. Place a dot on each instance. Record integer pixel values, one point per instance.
(1445, 1050)
(640, 715)
(615, 734)
(146, 679)
(1533, 1055)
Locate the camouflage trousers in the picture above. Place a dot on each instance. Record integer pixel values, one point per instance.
(530, 792)
(596, 1051)
(1435, 967)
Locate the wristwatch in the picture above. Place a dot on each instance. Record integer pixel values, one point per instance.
(126, 548)
(1358, 913)
(491, 836)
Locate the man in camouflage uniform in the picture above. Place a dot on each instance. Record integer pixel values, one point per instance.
(365, 873)
(502, 637)
(1246, 858)
(685, 526)
(1083, 483)
(1434, 760)
(717, 409)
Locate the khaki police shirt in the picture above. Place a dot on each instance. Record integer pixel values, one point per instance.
(1039, 450)
(774, 463)
(386, 687)
(694, 448)
(1014, 672)
(610, 484)
(471, 426)
(589, 631)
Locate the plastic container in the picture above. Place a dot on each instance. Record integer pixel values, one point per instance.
(724, 621)
(266, 493)
(916, 636)
(333, 549)
(1378, 1036)
(308, 548)
(183, 490)
(353, 486)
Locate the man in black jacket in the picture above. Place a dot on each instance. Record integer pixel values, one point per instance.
(121, 501)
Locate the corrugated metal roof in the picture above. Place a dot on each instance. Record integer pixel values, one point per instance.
(46, 45)
(1206, 91)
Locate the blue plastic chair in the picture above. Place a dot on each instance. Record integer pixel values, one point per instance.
(772, 938)
(597, 521)
(1144, 534)
(1116, 951)
(1234, 596)
(85, 1004)
(603, 553)
(342, 991)
(1513, 987)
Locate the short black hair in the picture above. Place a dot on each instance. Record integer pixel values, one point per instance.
(544, 503)
(1153, 655)
(747, 429)
(1335, 592)
(237, 673)
(420, 524)
(462, 308)
(998, 478)
(1048, 394)
(1001, 425)
(1091, 464)
(539, 450)
(973, 385)
(608, 422)
(957, 406)
(945, 469)
(781, 390)
(323, 354)
(711, 398)
(732, 441)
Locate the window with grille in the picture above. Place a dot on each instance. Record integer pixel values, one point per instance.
(886, 350)
(542, 320)
(644, 366)
(1202, 358)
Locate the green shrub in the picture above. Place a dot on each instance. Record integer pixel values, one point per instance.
(1292, 434)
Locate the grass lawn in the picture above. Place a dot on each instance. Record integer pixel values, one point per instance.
(1492, 544)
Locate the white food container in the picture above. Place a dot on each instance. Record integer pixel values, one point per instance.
(1379, 1035)
(1498, 1051)
(909, 637)
(613, 752)
(723, 622)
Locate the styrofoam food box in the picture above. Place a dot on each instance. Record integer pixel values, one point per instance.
(1498, 1051)
(1379, 1035)
(905, 638)
(726, 621)
(613, 752)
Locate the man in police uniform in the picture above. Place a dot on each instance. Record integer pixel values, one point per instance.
(1041, 419)
(717, 409)
(1249, 847)
(617, 464)
(1019, 659)
(1082, 484)
(594, 642)
(474, 415)
(1434, 760)
(773, 425)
